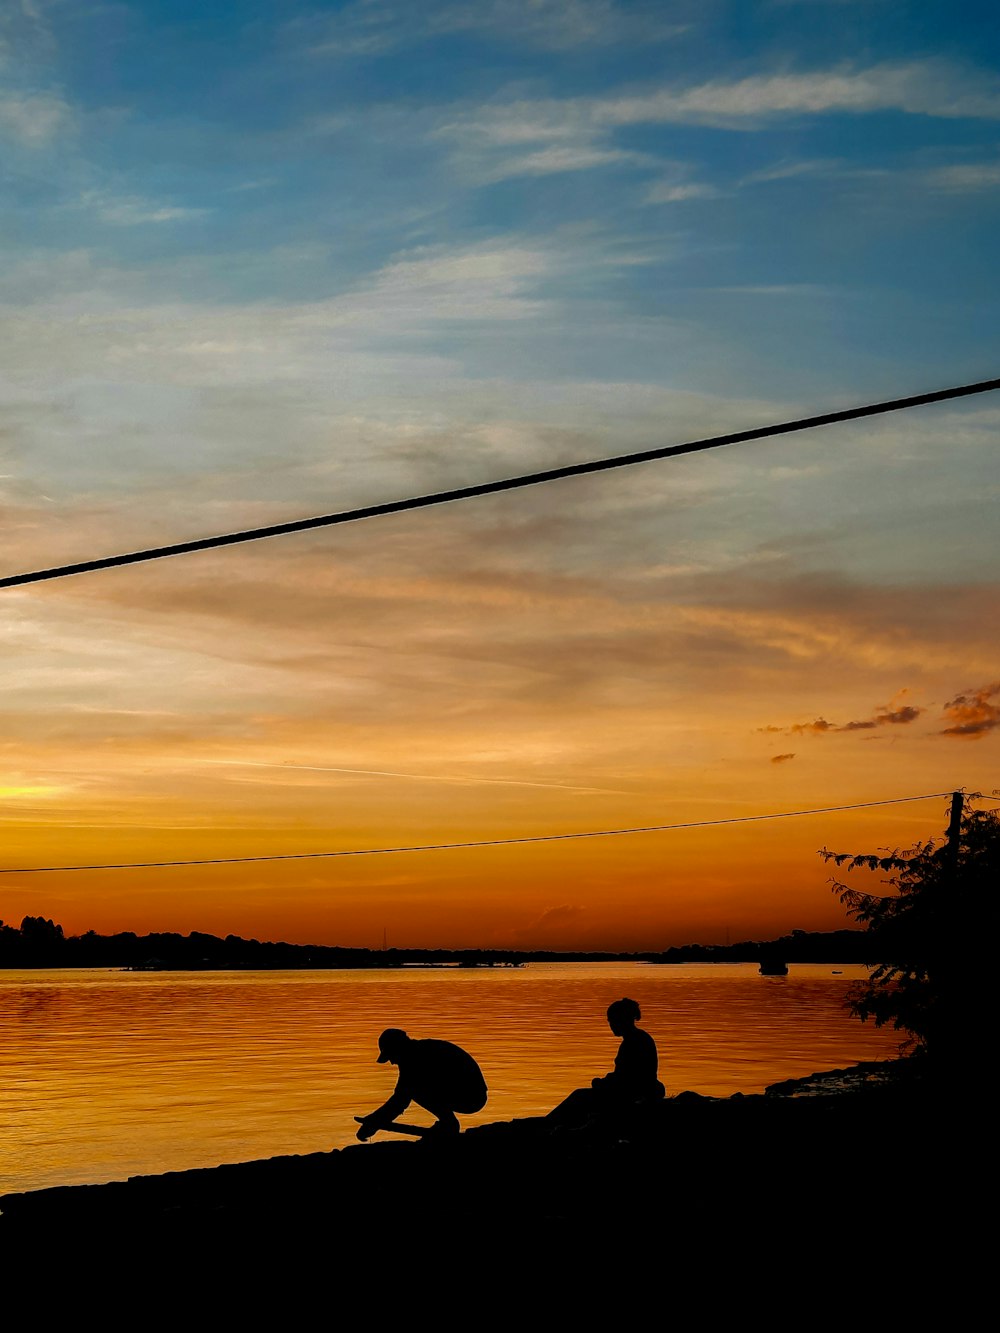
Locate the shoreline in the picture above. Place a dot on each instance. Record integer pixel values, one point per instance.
(824, 1083)
(816, 1135)
(847, 1194)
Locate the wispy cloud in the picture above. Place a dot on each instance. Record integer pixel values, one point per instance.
(555, 159)
(34, 120)
(925, 88)
(669, 192)
(364, 29)
(463, 780)
(963, 178)
(552, 924)
(892, 715)
(819, 727)
(575, 133)
(791, 169)
(132, 211)
(972, 714)
(777, 289)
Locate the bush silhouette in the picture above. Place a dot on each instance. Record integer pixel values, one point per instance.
(931, 941)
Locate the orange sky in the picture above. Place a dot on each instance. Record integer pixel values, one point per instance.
(440, 678)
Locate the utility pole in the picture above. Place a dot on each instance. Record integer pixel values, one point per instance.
(954, 831)
(951, 978)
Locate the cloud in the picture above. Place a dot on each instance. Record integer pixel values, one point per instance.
(131, 211)
(884, 717)
(671, 193)
(809, 289)
(517, 124)
(951, 178)
(464, 780)
(34, 120)
(968, 177)
(551, 923)
(557, 158)
(898, 716)
(486, 137)
(530, 139)
(131, 337)
(819, 726)
(972, 714)
(555, 24)
(364, 29)
(791, 168)
(920, 88)
(888, 715)
(928, 88)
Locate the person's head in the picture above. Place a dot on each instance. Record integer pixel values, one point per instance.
(623, 1014)
(391, 1045)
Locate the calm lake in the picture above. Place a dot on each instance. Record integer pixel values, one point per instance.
(105, 1075)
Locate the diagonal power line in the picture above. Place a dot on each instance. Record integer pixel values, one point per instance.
(482, 842)
(492, 487)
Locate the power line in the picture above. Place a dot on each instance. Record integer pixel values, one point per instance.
(485, 842)
(492, 487)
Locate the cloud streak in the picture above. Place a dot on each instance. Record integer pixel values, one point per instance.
(973, 714)
(414, 777)
(34, 120)
(889, 716)
(365, 30)
(924, 88)
(549, 135)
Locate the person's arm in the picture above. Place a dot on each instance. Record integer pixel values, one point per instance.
(620, 1071)
(386, 1113)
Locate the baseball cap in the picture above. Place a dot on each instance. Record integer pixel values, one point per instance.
(390, 1040)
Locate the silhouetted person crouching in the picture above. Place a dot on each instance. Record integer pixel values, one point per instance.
(437, 1075)
(632, 1082)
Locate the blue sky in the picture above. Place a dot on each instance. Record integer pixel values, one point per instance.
(266, 260)
(736, 172)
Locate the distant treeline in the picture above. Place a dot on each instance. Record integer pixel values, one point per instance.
(801, 946)
(38, 942)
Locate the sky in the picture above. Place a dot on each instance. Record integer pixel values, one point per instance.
(263, 261)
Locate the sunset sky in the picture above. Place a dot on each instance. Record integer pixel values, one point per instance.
(268, 260)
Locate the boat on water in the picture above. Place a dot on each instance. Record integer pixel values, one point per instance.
(773, 967)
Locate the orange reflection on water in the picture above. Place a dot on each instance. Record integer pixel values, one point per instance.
(104, 1075)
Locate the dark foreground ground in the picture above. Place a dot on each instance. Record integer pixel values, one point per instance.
(851, 1187)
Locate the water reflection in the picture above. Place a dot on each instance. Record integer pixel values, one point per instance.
(107, 1074)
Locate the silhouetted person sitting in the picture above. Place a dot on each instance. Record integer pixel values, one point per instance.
(632, 1082)
(437, 1075)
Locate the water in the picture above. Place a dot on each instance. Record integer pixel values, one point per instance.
(106, 1075)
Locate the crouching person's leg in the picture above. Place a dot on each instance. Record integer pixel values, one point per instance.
(446, 1124)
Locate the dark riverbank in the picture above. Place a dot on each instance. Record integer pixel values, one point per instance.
(805, 1174)
(40, 942)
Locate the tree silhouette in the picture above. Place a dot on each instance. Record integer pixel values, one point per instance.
(932, 941)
